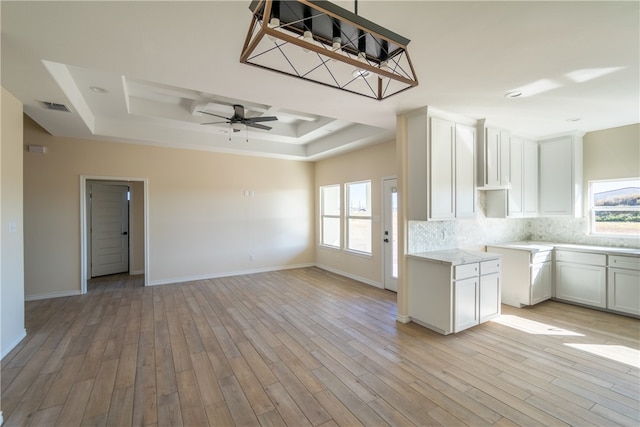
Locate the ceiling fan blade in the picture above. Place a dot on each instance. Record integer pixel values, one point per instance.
(239, 111)
(255, 125)
(262, 119)
(216, 115)
(213, 123)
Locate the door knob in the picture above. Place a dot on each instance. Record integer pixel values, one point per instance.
(124, 233)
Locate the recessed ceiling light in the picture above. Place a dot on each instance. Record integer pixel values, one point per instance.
(513, 94)
(98, 89)
(223, 131)
(574, 119)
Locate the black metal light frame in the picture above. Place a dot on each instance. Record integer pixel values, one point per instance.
(365, 48)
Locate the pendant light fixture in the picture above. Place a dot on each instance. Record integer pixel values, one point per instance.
(321, 42)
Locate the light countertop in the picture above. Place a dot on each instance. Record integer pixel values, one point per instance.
(535, 247)
(454, 256)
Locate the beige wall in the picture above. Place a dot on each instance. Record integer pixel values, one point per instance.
(372, 163)
(201, 224)
(612, 153)
(12, 328)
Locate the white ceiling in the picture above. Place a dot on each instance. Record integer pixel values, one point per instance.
(162, 62)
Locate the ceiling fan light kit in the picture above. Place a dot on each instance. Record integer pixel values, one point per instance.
(238, 121)
(320, 42)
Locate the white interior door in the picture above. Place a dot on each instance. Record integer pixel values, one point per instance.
(109, 229)
(390, 234)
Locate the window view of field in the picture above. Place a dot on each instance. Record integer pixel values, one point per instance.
(616, 207)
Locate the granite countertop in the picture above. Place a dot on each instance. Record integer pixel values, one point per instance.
(454, 256)
(535, 247)
(598, 249)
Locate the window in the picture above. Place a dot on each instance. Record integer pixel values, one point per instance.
(359, 216)
(615, 207)
(330, 213)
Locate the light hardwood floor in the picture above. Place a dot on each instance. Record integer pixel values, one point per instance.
(306, 347)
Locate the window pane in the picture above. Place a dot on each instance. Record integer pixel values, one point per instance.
(359, 196)
(330, 200)
(360, 235)
(615, 207)
(617, 222)
(622, 193)
(331, 231)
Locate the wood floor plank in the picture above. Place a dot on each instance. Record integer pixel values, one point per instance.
(305, 346)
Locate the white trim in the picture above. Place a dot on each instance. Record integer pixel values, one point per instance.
(136, 272)
(13, 345)
(83, 224)
(403, 319)
(351, 276)
(60, 294)
(383, 224)
(184, 279)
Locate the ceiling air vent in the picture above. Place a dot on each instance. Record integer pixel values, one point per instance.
(55, 106)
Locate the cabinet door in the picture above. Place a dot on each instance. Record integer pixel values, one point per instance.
(465, 187)
(624, 290)
(530, 178)
(581, 283)
(492, 157)
(417, 167)
(505, 149)
(515, 170)
(442, 158)
(556, 177)
(465, 304)
(489, 296)
(540, 282)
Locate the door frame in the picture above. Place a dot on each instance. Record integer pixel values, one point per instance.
(84, 219)
(383, 226)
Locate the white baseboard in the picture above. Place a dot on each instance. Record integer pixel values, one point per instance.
(403, 319)
(12, 345)
(351, 276)
(61, 294)
(159, 282)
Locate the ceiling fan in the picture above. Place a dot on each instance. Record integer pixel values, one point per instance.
(238, 118)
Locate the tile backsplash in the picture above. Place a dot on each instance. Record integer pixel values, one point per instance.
(427, 236)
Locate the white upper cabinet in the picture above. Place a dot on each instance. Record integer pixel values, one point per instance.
(560, 171)
(493, 156)
(465, 188)
(441, 165)
(520, 198)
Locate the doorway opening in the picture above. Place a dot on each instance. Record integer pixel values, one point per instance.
(113, 227)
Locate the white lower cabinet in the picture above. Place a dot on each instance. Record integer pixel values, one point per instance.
(526, 274)
(623, 293)
(466, 309)
(581, 278)
(449, 298)
(541, 281)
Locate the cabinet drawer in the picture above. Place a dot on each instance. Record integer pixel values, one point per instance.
(541, 257)
(581, 258)
(488, 267)
(465, 270)
(628, 262)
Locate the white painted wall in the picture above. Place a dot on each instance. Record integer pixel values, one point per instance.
(12, 327)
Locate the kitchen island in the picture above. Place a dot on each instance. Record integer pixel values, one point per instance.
(452, 290)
